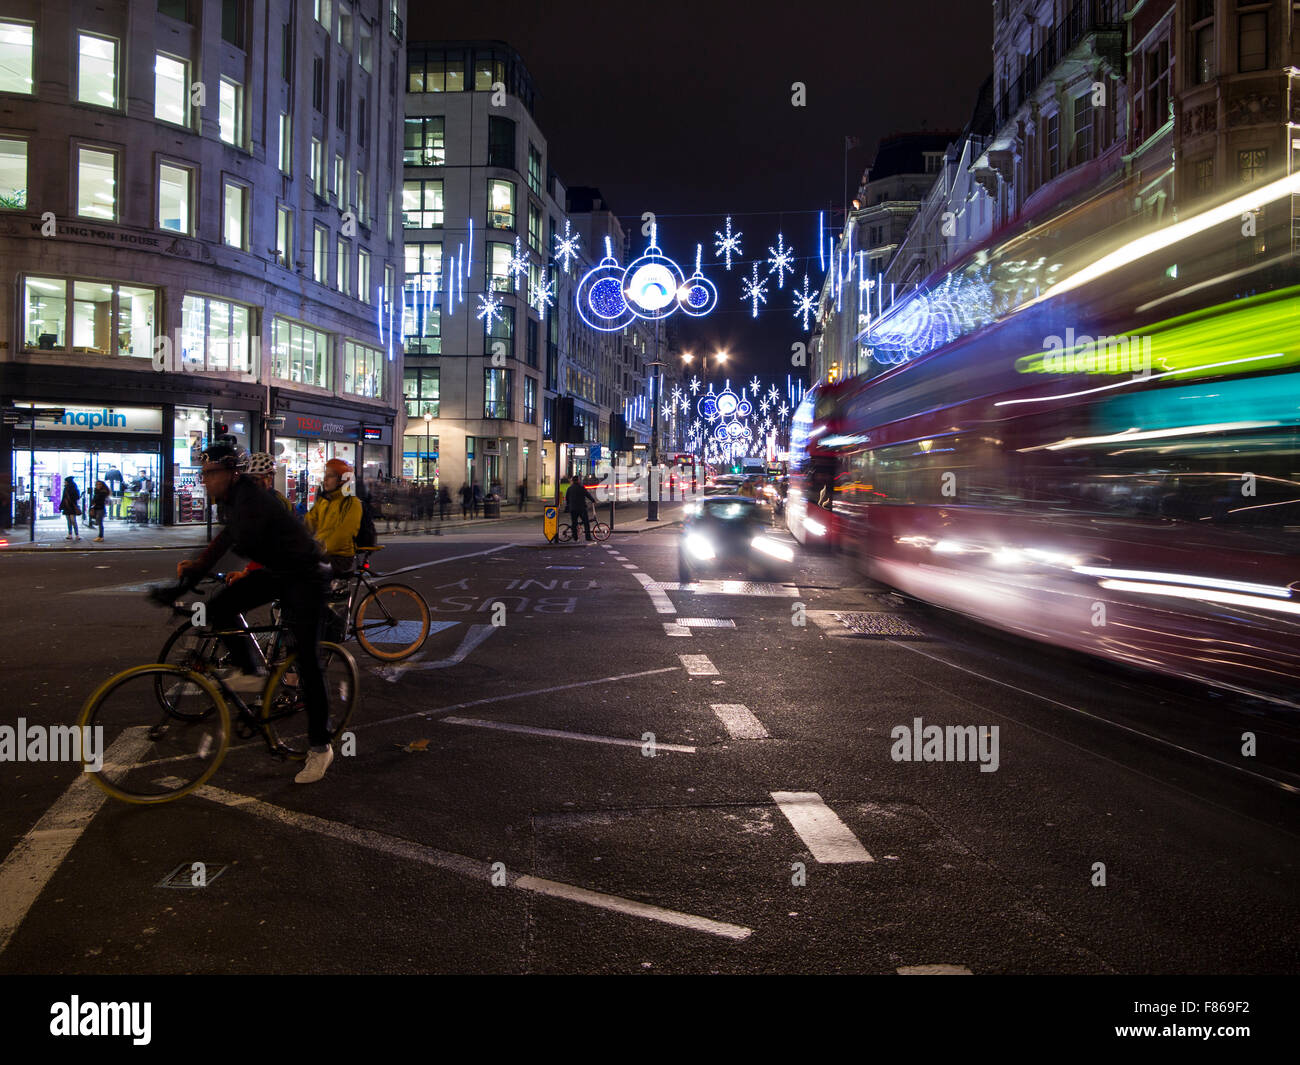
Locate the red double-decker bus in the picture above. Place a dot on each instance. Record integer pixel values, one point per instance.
(1104, 457)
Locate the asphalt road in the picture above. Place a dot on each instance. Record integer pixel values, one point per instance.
(628, 776)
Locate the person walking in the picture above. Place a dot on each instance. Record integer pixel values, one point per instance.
(476, 499)
(444, 501)
(523, 495)
(464, 501)
(98, 507)
(575, 502)
(70, 507)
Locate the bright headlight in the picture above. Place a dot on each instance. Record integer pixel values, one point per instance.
(699, 546)
(772, 547)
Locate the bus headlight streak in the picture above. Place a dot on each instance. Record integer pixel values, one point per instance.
(1175, 591)
(1186, 578)
(814, 526)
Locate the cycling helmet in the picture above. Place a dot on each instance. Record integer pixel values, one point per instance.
(338, 466)
(261, 464)
(229, 456)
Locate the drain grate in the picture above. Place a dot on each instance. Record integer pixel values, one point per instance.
(878, 623)
(708, 623)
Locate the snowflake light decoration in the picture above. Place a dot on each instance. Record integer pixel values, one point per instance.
(518, 265)
(566, 249)
(755, 386)
(668, 409)
(754, 291)
(779, 258)
(542, 296)
(728, 245)
(805, 303)
(489, 308)
(783, 410)
(773, 394)
(695, 385)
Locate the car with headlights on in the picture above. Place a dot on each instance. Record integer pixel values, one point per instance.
(724, 535)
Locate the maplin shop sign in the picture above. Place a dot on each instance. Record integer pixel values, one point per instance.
(107, 420)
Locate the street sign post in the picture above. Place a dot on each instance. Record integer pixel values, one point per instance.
(549, 522)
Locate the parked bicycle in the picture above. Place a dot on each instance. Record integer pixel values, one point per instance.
(167, 725)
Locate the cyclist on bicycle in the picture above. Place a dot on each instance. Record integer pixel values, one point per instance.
(261, 467)
(335, 518)
(258, 527)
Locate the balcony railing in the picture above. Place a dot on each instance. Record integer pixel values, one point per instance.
(1085, 17)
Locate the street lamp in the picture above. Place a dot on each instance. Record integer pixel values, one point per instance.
(428, 420)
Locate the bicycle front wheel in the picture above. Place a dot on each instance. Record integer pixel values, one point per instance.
(600, 531)
(564, 532)
(148, 752)
(284, 706)
(392, 622)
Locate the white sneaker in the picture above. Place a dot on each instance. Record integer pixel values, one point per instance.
(68, 537)
(317, 763)
(244, 683)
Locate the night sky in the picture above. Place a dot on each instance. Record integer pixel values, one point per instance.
(689, 115)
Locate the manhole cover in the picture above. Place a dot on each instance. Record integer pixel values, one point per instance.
(878, 623)
(192, 875)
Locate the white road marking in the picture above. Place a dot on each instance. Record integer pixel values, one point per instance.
(740, 722)
(825, 835)
(476, 635)
(561, 735)
(634, 909)
(462, 865)
(629, 565)
(711, 587)
(699, 665)
(671, 628)
(442, 710)
(440, 561)
(39, 854)
(661, 601)
(934, 970)
(708, 623)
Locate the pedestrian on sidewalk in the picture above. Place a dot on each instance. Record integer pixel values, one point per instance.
(476, 499)
(575, 502)
(465, 496)
(70, 507)
(523, 494)
(98, 506)
(444, 501)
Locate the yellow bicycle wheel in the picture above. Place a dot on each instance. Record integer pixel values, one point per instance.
(147, 752)
(284, 706)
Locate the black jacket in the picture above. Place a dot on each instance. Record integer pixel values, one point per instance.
(259, 527)
(575, 499)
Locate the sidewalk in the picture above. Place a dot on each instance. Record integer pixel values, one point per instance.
(120, 536)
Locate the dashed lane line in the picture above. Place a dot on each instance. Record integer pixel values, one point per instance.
(473, 868)
(699, 665)
(826, 836)
(933, 970)
(558, 734)
(661, 602)
(740, 722)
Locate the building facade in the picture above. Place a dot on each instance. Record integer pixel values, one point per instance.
(196, 225)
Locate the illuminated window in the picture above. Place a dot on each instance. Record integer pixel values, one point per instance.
(17, 44)
(96, 70)
(174, 185)
(422, 204)
(97, 184)
(13, 174)
(234, 215)
(501, 204)
(171, 90)
(231, 112)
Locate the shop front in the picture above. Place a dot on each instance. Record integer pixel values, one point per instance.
(307, 441)
(119, 445)
(192, 428)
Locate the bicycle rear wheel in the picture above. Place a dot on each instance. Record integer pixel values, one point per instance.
(149, 753)
(600, 531)
(392, 622)
(283, 713)
(189, 648)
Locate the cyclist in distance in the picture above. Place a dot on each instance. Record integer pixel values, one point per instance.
(258, 527)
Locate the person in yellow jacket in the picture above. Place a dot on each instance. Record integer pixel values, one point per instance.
(335, 518)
